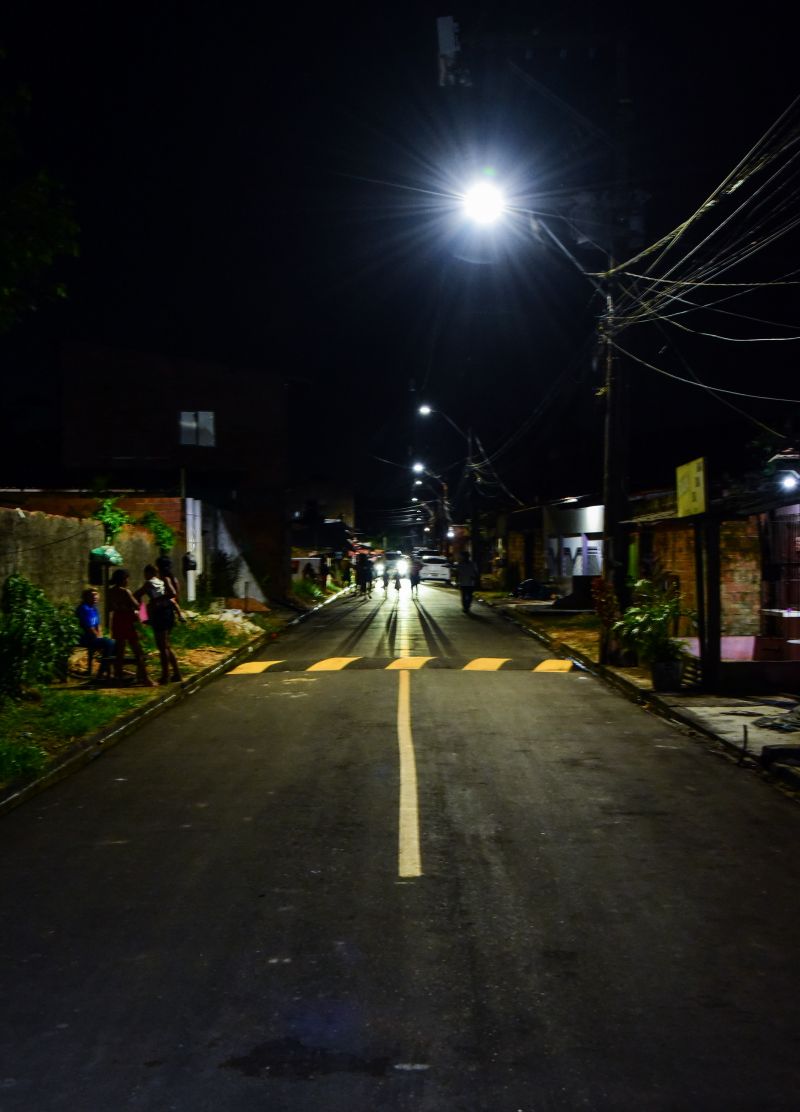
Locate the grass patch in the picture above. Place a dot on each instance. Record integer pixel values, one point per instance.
(32, 733)
(205, 633)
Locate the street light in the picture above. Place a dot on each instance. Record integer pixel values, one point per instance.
(615, 468)
(484, 203)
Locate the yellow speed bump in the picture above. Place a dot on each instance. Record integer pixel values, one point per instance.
(253, 667)
(408, 663)
(486, 663)
(554, 666)
(332, 664)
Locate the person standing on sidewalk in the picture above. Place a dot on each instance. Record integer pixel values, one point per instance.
(124, 627)
(161, 615)
(468, 579)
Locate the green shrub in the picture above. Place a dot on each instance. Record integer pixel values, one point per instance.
(219, 579)
(162, 533)
(307, 591)
(36, 637)
(111, 517)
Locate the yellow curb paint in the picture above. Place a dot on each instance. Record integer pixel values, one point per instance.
(332, 664)
(253, 667)
(408, 663)
(408, 855)
(554, 666)
(486, 663)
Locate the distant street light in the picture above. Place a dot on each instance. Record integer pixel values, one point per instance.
(475, 529)
(420, 468)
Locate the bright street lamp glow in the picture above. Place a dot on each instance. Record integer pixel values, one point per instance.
(484, 203)
(418, 467)
(418, 482)
(425, 410)
(789, 482)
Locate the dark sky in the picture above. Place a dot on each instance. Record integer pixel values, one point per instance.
(269, 189)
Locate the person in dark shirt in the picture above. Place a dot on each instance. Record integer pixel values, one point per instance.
(91, 637)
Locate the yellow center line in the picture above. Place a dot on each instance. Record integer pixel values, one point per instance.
(253, 667)
(332, 664)
(408, 855)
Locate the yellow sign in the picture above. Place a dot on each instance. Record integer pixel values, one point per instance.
(691, 479)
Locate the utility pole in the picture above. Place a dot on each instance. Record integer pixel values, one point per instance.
(474, 512)
(616, 387)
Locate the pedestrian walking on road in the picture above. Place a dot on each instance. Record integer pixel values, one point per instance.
(468, 579)
(363, 574)
(414, 576)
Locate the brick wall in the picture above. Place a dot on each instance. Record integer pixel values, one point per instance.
(740, 560)
(673, 553)
(66, 504)
(740, 570)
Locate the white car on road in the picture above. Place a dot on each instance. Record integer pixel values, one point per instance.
(436, 569)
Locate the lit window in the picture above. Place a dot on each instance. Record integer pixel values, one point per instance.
(197, 428)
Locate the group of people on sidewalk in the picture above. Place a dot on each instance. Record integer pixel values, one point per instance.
(157, 599)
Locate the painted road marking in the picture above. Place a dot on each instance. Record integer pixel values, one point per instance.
(408, 856)
(402, 663)
(408, 663)
(253, 667)
(486, 663)
(332, 664)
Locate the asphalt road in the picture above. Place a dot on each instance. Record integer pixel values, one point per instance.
(365, 873)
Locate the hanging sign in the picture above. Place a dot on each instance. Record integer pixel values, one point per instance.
(691, 479)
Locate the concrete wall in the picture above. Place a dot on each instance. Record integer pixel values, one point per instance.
(53, 551)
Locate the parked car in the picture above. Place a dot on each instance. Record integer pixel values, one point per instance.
(436, 569)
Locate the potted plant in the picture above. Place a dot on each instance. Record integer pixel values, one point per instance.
(648, 627)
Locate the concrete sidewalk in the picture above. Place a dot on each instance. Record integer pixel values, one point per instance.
(738, 723)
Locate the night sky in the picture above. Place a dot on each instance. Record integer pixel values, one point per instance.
(276, 190)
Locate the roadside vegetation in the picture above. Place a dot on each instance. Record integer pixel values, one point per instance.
(48, 703)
